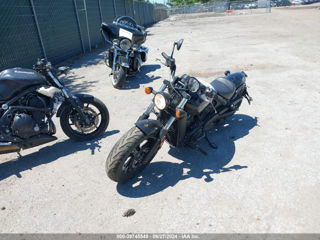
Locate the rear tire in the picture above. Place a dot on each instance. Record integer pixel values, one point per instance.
(121, 163)
(119, 76)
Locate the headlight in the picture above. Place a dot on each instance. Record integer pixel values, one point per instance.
(160, 101)
(125, 44)
(193, 85)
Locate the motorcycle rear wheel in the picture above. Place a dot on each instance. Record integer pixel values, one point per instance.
(128, 156)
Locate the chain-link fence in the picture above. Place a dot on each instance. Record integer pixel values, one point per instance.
(60, 29)
(228, 6)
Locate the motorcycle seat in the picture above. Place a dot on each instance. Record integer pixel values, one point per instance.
(16, 79)
(224, 87)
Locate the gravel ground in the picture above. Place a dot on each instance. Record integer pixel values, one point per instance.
(264, 176)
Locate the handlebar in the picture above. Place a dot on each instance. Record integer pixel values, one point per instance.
(170, 62)
(43, 66)
(166, 57)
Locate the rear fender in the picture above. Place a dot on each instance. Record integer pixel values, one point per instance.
(149, 126)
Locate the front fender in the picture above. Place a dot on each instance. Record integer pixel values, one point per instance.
(76, 99)
(149, 126)
(124, 62)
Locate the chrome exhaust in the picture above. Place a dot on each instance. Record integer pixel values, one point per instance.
(8, 147)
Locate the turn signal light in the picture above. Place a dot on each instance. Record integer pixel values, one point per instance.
(178, 113)
(148, 90)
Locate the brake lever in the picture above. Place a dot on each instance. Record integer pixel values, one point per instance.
(163, 63)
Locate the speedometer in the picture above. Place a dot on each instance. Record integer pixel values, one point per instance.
(193, 85)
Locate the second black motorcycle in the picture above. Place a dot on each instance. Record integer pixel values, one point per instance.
(30, 98)
(185, 109)
(125, 53)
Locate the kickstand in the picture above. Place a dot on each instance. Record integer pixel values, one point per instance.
(212, 144)
(196, 147)
(19, 154)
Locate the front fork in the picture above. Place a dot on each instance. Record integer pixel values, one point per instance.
(76, 104)
(123, 63)
(163, 132)
(73, 101)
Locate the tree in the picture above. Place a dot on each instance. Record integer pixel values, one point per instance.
(185, 2)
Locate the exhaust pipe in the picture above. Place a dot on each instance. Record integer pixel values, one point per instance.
(8, 147)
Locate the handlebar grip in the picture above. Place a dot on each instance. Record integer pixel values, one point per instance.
(165, 56)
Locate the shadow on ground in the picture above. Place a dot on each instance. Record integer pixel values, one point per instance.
(141, 77)
(49, 154)
(78, 84)
(160, 175)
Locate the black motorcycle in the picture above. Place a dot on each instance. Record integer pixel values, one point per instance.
(185, 109)
(125, 54)
(30, 98)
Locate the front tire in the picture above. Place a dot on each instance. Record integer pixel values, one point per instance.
(119, 76)
(128, 156)
(74, 127)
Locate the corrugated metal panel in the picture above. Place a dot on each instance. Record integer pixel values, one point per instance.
(19, 41)
(94, 20)
(120, 8)
(129, 8)
(107, 8)
(136, 11)
(67, 27)
(59, 29)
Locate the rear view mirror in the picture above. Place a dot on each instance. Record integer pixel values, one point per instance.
(179, 44)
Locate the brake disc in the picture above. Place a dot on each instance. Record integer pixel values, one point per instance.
(94, 120)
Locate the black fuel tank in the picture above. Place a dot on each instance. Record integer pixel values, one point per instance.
(16, 79)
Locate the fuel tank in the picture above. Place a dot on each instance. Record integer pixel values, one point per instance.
(15, 80)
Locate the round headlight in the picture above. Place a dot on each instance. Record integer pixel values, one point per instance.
(193, 85)
(125, 44)
(160, 101)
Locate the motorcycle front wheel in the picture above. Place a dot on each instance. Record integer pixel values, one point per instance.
(119, 76)
(74, 126)
(129, 156)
